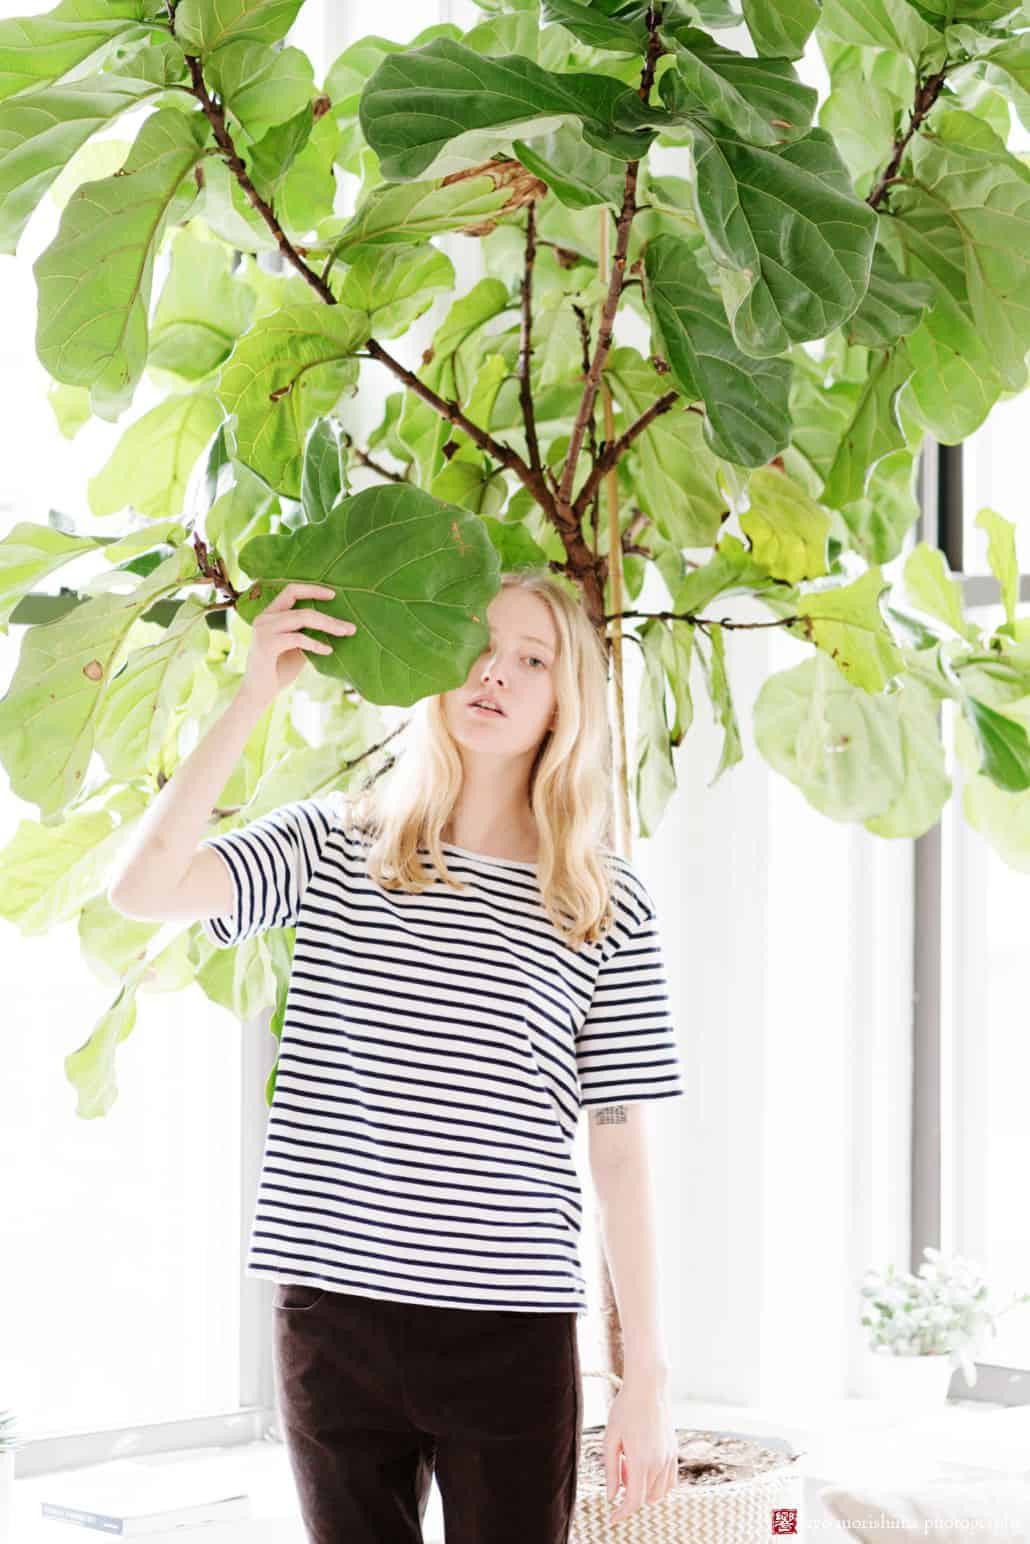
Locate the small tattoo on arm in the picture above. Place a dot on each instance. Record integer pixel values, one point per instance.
(610, 1115)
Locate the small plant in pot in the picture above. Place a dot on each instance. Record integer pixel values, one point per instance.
(923, 1326)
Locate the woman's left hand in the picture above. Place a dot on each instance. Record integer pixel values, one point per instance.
(640, 1441)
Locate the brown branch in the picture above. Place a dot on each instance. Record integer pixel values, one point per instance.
(927, 93)
(584, 338)
(614, 453)
(528, 476)
(526, 341)
(636, 524)
(691, 616)
(639, 519)
(507, 457)
(215, 114)
(373, 466)
(611, 302)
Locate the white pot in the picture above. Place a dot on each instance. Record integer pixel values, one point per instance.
(6, 1498)
(908, 1382)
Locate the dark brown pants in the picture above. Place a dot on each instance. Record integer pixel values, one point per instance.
(376, 1395)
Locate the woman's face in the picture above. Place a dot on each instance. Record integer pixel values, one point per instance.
(515, 671)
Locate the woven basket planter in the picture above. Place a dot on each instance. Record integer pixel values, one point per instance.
(745, 1511)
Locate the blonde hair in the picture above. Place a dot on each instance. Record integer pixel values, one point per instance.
(570, 783)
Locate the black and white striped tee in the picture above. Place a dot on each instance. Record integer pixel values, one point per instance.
(435, 1052)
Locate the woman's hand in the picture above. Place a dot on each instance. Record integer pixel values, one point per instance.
(640, 1441)
(276, 655)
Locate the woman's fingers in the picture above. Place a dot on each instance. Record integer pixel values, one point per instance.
(296, 590)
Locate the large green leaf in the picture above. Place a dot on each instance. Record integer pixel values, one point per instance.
(861, 118)
(891, 307)
(307, 193)
(1000, 814)
(228, 212)
(394, 285)
(416, 576)
(28, 553)
(612, 24)
(36, 49)
(324, 477)
(880, 521)
(575, 171)
(437, 102)
(1006, 64)
(1004, 745)
(94, 278)
(654, 772)
(787, 530)
(677, 476)
(291, 166)
(717, 683)
(49, 714)
(399, 213)
(847, 623)
(892, 24)
(794, 243)
(50, 872)
(932, 589)
(759, 100)
(288, 370)
(746, 400)
(843, 748)
(204, 25)
(964, 216)
(152, 461)
(1001, 557)
(955, 382)
(202, 309)
(730, 570)
(873, 429)
(261, 86)
(458, 337)
(41, 130)
(146, 700)
(927, 786)
(349, 71)
(780, 27)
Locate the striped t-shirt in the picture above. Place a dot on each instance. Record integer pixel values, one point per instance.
(434, 1055)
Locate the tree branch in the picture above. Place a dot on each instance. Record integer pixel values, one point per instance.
(530, 478)
(691, 616)
(927, 93)
(614, 453)
(584, 338)
(507, 457)
(215, 114)
(526, 341)
(615, 282)
(373, 466)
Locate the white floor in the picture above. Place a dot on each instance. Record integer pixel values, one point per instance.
(855, 1440)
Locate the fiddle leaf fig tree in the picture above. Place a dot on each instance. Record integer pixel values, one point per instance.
(716, 320)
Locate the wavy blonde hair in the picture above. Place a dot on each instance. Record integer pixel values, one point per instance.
(570, 784)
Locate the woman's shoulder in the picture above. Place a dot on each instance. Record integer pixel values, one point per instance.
(630, 895)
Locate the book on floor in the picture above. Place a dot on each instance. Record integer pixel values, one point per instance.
(131, 1497)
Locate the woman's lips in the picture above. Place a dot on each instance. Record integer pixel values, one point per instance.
(485, 712)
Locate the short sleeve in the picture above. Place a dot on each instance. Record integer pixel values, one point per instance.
(270, 862)
(626, 1046)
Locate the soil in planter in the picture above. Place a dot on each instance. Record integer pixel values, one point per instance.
(704, 1459)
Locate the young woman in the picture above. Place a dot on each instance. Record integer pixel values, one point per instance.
(473, 964)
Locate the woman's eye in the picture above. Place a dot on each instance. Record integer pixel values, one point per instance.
(535, 660)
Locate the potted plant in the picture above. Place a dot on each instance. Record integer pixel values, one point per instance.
(923, 1326)
(9, 1442)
